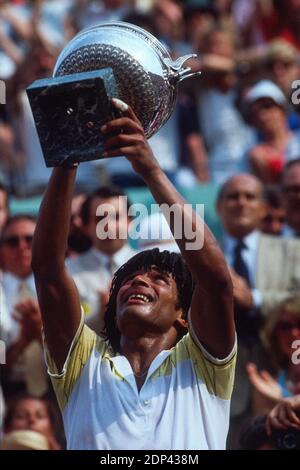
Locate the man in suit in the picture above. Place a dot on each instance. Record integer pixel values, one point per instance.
(264, 270)
(93, 270)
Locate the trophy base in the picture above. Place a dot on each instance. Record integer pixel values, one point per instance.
(68, 112)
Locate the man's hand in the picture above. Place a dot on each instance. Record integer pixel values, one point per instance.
(264, 383)
(28, 314)
(130, 141)
(241, 292)
(285, 414)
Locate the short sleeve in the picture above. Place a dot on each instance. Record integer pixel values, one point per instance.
(79, 354)
(216, 374)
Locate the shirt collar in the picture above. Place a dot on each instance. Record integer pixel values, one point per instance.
(13, 281)
(288, 232)
(250, 241)
(119, 258)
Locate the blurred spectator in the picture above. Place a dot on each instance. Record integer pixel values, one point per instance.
(282, 329)
(199, 19)
(24, 440)
(87, 13)
(282, 61)
(4, 209)
(78, 241)
(25, 369)
(27, 412)
(273, 221)
(168, 21)
(10, 157)
(241, 208)
(267, 111)
(264, 271)
(291, 198)
(92, 271)
(225, 133)
(291, 26)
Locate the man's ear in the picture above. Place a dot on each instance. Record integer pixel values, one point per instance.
(181, 322)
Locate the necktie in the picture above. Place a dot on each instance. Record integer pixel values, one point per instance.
(24, 292)
(239, 264)
(247, 323)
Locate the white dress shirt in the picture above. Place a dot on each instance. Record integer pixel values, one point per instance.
(11, 286)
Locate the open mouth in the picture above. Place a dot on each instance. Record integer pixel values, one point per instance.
(139, 298)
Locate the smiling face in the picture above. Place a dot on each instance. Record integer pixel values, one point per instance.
(240, 205)
(148, 302)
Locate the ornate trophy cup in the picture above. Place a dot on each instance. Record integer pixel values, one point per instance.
(108, 60)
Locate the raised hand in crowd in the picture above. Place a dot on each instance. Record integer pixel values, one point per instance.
(267, 392)
(28, 314)
(286, 414)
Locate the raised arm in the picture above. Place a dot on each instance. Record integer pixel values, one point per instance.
(57, 294)
(212, 303)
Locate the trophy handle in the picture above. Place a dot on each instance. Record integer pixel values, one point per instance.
(177, 72)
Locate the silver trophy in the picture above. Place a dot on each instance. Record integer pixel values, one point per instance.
(108, 60)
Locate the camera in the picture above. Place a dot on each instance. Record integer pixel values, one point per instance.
(254, 437)
(287, 439)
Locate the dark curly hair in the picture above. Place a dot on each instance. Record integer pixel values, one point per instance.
(165, 261)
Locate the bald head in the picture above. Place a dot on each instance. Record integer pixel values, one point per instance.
(240, 205)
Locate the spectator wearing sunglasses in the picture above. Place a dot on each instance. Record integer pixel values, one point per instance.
(280, 336)
(24, 369)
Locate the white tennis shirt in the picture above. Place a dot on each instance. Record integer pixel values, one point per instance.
(183, 404)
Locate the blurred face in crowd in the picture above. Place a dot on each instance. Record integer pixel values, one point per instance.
(240, 205)
(3, 209)
(266, 115)
(16, 250)
(31, 414)
(291, 196)
(273, 221)
(114, 223)
(284, 72)
(287, 331)
(220, 43)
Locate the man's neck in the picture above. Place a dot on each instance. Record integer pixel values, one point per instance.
(141, 351)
